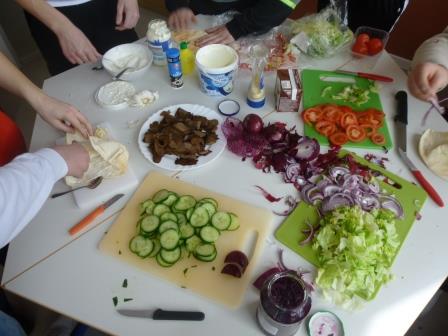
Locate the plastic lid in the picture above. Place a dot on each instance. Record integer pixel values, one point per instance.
(228, 107)
(172, 53)
(183, 45)
(325, 323)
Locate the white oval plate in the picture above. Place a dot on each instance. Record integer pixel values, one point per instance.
(167, 161)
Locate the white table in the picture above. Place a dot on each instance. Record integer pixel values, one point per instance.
(71, 276)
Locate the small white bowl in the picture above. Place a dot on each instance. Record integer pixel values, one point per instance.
(136, 56)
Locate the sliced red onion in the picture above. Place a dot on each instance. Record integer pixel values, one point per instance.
(418, 215)
(292, 171)
(337, 171)
(335, 201)
(311, 232)
(271, 198)
(369, 202)
(390, 203)
(237, 257)
(232, 269)
(324, 182)
(331, 189)
(351, 181)
(232, 128)
(307, 149)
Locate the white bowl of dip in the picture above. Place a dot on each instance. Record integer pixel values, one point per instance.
(136, 56)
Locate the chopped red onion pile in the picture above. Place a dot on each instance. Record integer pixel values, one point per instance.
(378, 160)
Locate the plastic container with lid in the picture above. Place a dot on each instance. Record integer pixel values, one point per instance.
(159, 40)
(186, 58)
(369, 61)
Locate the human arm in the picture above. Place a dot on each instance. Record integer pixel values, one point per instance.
(55, 112)
(127, 14)
(429, 72)
(26, 182)
(75, 46)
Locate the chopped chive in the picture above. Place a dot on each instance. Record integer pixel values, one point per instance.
(125, 283)
(194, 266)
(183, 287)
(213, 268)
(127, 299)
(119, 251)
(115, 301)
(185, 271)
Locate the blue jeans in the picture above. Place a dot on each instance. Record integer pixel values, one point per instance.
(9, 326)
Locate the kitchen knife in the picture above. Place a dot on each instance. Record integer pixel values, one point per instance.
(160, 314)
(94, 214)
(366, 75)
(401, 124)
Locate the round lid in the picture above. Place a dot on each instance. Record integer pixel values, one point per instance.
(115, 95)
(172, 53)
(228, 107)
(325, 323)
(184, 45)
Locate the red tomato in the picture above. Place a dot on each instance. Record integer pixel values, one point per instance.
(374, 46)
(347, 119)
(355, 133)
(338, 138)
(312, 115)
(378, 139)
(360, 48)
(362, 38)
(325, 127)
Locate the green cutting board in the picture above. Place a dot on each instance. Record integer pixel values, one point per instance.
(313, 85)
(410, 196)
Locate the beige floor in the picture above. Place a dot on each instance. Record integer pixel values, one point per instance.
(433, 321)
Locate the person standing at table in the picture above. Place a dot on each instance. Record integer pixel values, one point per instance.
(429, 72)
(254, 17)
(72, 32)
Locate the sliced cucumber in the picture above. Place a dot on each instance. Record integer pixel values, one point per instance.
(186, 230)
(147, 206)
(234, 222)
(162, 262)
(170, 256)
(168, 225)
(199, 217)
(221, 220)
(161, 195)
(185, 202)
(189, 212)
(168, 216)
(156, 248)
(209, 207)
(205, 250)
(169, 239)
(149, 224)
(192, 242)
(146, 249)
(181, 218)
(170, 200)
(137, 243)
(207, 258)
(210, 200)
(209, 234)
(160, 209)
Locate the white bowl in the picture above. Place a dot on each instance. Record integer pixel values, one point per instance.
(136, 56)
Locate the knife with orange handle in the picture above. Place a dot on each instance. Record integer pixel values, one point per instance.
(94, 214)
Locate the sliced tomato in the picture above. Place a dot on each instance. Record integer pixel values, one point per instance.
(325, 127)
(331, 113)
(312, 115)
(355, 133)
(348, 118)
(338, 138)
(378, 139)
(375, 112)
(369, 128)
(345, 109)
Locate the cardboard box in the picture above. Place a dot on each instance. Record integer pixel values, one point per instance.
(288, 90)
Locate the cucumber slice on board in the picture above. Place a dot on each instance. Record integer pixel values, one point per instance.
(234, 222)
(137, 243)
(170, 200)
(168, 216)
(160, 209)
(149, 224)
(199, 217)
(185, 202)
(209, 207)
(169, 239)
(162, 262)
(168, 225)
(170, 256)
(205, 250)
(192, 242)
(209, 234)
(156, 248)
(146, 249)
(161, 195)
(221, 220)
(186, 231)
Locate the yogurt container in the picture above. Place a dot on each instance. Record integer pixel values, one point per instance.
(216, 65)
(159, 40)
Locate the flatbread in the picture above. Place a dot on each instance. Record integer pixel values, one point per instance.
(188, 35)
(108, 158)
(433, 148)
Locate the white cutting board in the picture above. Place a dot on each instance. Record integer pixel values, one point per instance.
(89, 198)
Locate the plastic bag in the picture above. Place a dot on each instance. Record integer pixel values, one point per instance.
(321, 35)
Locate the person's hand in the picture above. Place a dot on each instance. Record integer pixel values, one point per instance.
(218, 34)
(127, 14)
(426, 79)
(61, 115)
(76, 157)
(181, 19)
(75, 46)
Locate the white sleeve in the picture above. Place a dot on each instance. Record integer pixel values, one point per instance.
(434, 50)
(25, 184)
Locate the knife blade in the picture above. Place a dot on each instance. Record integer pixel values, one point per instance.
(160, 314)
(94, 214)
(401, 124)
(367, 75)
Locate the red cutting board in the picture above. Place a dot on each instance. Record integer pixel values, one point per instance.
(205, 278)
(315, 81)
(411, 197)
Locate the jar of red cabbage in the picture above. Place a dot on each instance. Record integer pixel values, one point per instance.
(284, 303)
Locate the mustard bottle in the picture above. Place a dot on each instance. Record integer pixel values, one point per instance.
(186, 58)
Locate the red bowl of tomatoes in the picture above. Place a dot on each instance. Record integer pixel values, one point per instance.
(369, 42)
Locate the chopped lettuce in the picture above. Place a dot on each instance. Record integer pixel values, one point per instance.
(352, 94)
(355, 249)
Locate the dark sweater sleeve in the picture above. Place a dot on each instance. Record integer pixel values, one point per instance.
(260, 18)
(172, 5)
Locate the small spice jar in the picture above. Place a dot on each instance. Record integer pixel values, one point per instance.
(284, 303)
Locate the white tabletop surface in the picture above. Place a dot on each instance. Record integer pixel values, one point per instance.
(73, 277)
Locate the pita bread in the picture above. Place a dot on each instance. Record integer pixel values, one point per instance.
(188, 35)
(108, 158)
(433, 148)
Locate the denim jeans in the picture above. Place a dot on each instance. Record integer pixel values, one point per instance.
(9, 326)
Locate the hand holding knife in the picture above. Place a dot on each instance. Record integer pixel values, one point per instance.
(401, 124)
